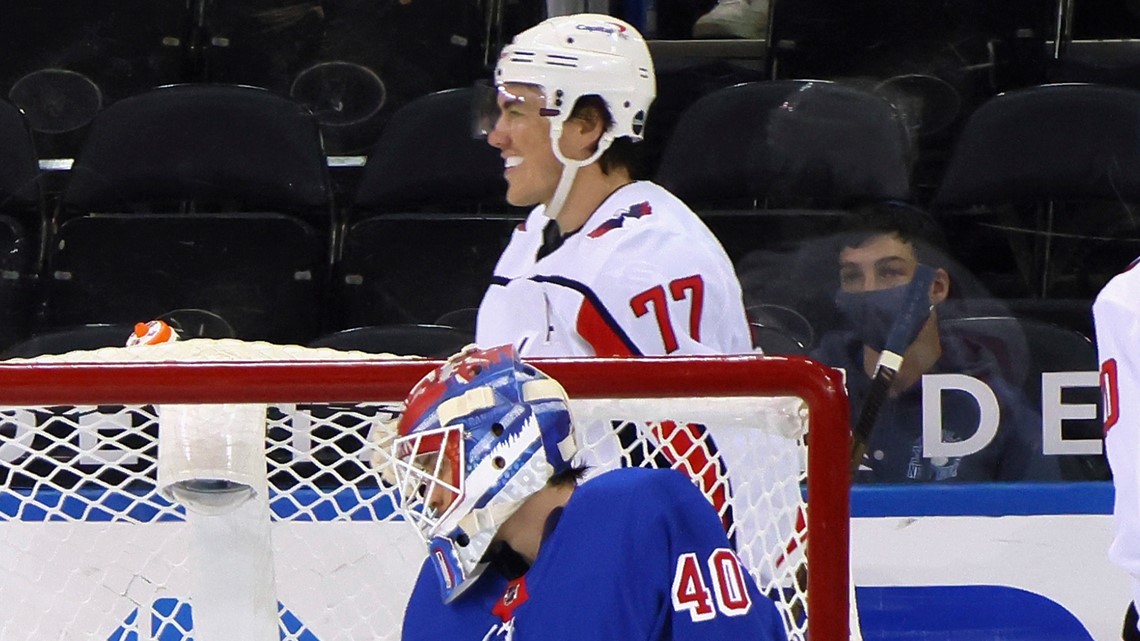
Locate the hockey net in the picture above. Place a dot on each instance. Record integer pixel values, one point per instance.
(90, 548)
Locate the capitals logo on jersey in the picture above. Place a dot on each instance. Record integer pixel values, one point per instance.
(640, 210)
(514, 596)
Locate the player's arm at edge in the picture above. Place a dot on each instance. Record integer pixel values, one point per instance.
(1118, 336)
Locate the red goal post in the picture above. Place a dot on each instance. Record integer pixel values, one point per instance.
(694, 380)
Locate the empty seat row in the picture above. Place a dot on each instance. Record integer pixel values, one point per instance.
(219, 197)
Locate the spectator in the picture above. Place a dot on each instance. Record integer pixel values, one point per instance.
(879, 247)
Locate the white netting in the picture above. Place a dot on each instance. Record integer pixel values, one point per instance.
(89, 549)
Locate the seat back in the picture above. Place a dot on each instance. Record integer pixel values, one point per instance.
(261, 273)
(1026, 350)
(1051, 142)
(787, 143)
(426, 159)
(217, 146)
(1042, 186)
(195, 196)
(67, 59)
(352, 62)
(428, 220)
(414, 268)
(61, 341)
(432, 341)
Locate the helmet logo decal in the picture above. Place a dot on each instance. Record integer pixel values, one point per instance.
(611, 28)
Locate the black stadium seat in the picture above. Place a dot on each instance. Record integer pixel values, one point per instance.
(353, 62)
(64, 60)
(433, 341)
(195, 196)
(770, 165)
(1042, 188)
(1026, 349)
(787, 144)
(63, 340)
(21, 222)
(428, 220)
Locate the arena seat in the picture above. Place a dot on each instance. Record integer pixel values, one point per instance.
(1027, 348)
(428, 220)
(214, 197)
(1040, 191)
(432, 341)
(21, 193)
(67, 59)
(352, 62)
(67, 339)
(22, 219)
(779, 329)
(770, 165)
(786, 144)
(189, 323)
(773, 341)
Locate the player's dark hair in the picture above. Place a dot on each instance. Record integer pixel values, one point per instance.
(569, 477)
(624, 152)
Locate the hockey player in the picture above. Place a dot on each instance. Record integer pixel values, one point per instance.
(484, 459)
(603, 265)
(1116, 315)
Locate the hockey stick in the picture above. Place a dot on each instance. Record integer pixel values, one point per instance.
(916, 309)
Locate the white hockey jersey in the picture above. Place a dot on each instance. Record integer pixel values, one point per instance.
(643, 276)
(1116, 313)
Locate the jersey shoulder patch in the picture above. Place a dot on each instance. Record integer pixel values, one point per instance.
(640, 210)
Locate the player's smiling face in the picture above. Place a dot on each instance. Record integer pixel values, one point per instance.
(522, 136)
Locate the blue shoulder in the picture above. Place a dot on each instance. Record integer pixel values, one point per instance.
(641, 490)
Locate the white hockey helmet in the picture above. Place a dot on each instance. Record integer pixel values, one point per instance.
(487, 431)
(580, 55)
(585, 54)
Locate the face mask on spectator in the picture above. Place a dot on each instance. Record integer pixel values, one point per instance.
(871, 314)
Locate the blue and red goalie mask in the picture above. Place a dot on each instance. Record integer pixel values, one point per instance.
(479, 435)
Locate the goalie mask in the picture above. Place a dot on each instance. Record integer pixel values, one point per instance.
(569, 57)
(480, 435)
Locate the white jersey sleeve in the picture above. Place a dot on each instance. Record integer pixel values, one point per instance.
(643, 276)
(1116, 313)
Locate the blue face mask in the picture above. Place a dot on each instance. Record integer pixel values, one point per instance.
(871, 314)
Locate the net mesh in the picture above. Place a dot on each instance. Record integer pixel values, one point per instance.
(91, 549)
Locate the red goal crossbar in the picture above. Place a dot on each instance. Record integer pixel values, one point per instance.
(24, 384)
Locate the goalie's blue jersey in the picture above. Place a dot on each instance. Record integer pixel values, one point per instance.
(637, 554)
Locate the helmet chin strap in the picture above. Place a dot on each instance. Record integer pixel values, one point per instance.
(569, 168)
